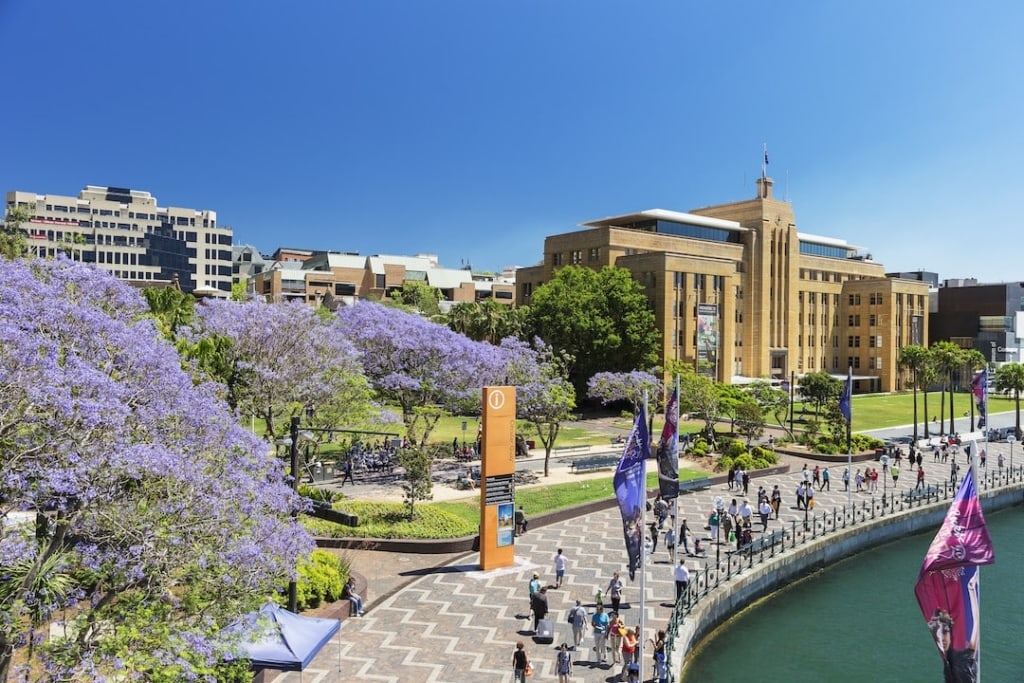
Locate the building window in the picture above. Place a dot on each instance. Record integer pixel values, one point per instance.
(872, 320)
(699, 281)
(576, 257)
(594, 254)
(854, 321)
(556, 259)
(855, 299)
(853, 341)
(875, 299)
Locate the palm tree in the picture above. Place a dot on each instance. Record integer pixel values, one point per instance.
(927, 375)
(948, 359)
(1010, 377)
(914, 358)
(974, 360)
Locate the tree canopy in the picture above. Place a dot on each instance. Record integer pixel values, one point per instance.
(161, 518)
(601, 318)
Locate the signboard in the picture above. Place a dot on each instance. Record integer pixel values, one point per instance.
(497, 471)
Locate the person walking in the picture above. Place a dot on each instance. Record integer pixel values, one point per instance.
(826, 480)
(616, 629)
(654, 536)
(776, 500)
(563, 664)
(600, 622)
(920, 479)
(846, 479)
(670, 542)
(629, 638)
(520, 662)
(765, 510)
(520, 521)
(682, 577)
(615, 591)
(713, 525)
(559, 568)
(578, 619)
(684, 531)
(539, 603)
(347, 469)
(746, 482)
(953, 469)
(801, 496)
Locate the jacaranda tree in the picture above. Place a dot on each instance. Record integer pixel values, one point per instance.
(283, 358)
(159, 518)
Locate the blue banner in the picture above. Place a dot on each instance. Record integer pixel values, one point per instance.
(631, 489)
(668, 450)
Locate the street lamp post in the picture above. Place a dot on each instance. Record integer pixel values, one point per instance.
(1010, 440)
(885, 477)
(293, 587)
(719, 509)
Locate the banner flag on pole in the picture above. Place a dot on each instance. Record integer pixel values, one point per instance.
(668, 450)
(947, 587)
(979, 387)
(630, 483)
(845, 401)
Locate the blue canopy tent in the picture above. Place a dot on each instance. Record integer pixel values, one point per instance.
(288, 642)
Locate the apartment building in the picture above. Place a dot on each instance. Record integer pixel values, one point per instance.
(988, 317)
(128, 234)
(739, 293)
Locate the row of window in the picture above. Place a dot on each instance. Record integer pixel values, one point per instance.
(874, 363)
(138, 215)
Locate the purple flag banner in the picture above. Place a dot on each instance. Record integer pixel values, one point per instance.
(668, 450)
(979, 387)
(846, 399)
(630, 483)
(947, 587)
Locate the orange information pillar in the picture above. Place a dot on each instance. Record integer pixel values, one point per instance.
(497, 468)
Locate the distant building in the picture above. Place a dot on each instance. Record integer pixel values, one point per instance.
(126, 233)
(739, 293)
(986, 317)
(332, 278)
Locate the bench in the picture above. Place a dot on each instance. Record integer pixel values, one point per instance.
(759, 545)
(559, 450)
(917, 494)
(691, 485)
(597, 462)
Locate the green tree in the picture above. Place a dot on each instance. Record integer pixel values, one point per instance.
(417, 485)
(1010, 377)
(731, 398)
(947, 358)
(601, 318)
(820, 388)
(914, 358)
(698, 395)
(749, 419)
(172, 308)
(13, 243)
(488, 321)
(544, 396)
(419, 297)
(774, 402)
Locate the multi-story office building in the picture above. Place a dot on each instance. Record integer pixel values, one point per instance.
(127, 233)
(986, 317)
(739, 293)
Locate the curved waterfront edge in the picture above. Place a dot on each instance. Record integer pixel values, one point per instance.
(727, 599)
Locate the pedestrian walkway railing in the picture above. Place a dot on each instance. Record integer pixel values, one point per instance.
(725, 567)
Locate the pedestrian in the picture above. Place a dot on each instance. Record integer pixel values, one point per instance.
(765, 510)
(660, 668)
(816, 476)
(632, 673)
(455, 446)
(654, 536)
(615, 591)
(809, 498)
(746, 512)
(826, 480)
(682, 577)
(520, 663)
(629, 638)
(670, 541)
(953, 468)
(540, 606)
(533, 587)
(982, 457)
(920, 479)
(578, 619)
(776, 500)
(660, 510)
(919, 459)
(520, 520)
(731, 477)
(559, 568)
(599, 621)
(684, 531)
(347, 469)
(616, 629)
(859, 479)
(800, 496)
(895, 471)
(563, 664)
(805, 474)
(746, 482)
(873, 476)
(725, 521)
(1000, 461)
(713, 525)
(846, 479)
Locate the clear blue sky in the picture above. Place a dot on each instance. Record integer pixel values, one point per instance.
(473, 129)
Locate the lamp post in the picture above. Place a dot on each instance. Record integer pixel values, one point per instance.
(1010, 440)
(885, 477)
(719, 509)
(293, 588)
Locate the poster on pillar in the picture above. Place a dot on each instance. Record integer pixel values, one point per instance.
(707, 339)
(497, 469)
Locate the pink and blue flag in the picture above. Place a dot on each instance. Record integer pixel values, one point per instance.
(668, 450)
(947, 587)
(630, 484)
(979, 387)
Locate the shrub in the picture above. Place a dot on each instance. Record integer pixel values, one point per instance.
(322, 577)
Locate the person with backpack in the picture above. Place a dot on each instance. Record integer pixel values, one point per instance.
(577, 618)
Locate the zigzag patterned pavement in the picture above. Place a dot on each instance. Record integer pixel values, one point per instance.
(457, 624)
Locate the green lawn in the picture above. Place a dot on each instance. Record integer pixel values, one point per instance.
(878, 411)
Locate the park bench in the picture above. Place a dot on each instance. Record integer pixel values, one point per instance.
(691, 485)
(597, 462)
(562, 450)
(760, 544)
(917, 494)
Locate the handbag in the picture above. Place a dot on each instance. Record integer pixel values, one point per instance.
(529, 670)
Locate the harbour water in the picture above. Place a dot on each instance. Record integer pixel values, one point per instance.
(858, 620)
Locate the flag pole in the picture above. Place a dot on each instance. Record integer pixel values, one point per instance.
(643, 558)
(848, 414)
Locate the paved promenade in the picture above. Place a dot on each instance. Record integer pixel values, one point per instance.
(437, 619)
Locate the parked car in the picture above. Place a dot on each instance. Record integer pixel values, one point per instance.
(1000, 433)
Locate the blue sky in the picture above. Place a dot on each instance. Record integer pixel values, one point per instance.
(474, 129)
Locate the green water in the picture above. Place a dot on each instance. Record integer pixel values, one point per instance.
(859, 621)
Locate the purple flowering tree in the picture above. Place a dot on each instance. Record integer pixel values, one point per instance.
(544, 395)
(423, 367)
(158, 519)
(282, 358)
(625, 386)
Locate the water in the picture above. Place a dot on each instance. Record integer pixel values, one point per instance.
(858, 620)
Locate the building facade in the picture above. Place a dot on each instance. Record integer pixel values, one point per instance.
(986, 317)
(128, 234)
(739, 293)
